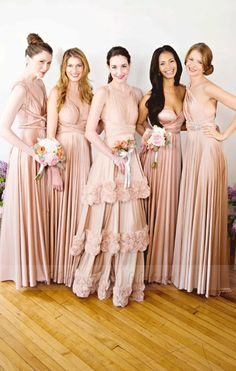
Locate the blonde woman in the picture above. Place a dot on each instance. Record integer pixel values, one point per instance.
(68, 108)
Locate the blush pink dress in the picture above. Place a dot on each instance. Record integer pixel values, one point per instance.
(66, 206)
(161, 206)
(24, 247)
(201, 254)
(112, 233)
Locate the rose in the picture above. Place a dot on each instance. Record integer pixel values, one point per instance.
(156, 139)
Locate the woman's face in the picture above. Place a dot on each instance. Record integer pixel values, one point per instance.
(194, 64)
(119, 68)
(167, 65)
(74, 69)
(39, 64)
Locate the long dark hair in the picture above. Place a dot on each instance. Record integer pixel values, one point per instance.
(115, 51)
(156, 102)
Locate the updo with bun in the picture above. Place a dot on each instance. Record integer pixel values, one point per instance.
(206, 54)
(36, 45)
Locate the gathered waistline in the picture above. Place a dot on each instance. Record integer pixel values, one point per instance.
(196, 126)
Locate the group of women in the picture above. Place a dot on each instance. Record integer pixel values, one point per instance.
(85, 226)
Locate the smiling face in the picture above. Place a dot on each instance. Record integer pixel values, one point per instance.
(39, 64)
(74, 69)
(119, 68)
(194, 64)
(167, 65)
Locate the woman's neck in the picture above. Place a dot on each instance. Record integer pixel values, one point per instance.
(195, 81)
(123, 87)
(73, 87)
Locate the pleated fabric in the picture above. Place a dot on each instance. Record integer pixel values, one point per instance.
(66, 206)
(161, 206)
(24, 244)
(201, 258)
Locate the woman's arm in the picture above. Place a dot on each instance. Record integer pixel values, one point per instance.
(142, 117)
(14, 104)
(52, 114)
(229, 100)
(98, 104)
(52, 122)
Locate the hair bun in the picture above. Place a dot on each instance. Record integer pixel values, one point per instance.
(34, 38)
(209, 70)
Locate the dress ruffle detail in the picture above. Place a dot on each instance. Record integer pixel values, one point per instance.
(121, 296)
(78, 245)
(84, 287)
(110, 242)
(111, 192)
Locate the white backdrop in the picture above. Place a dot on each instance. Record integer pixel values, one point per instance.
(139, 25)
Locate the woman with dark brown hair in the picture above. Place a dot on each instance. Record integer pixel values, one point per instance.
(112, 232)
(68, 108)
(24, 248)
(162, 107)
(201, 255)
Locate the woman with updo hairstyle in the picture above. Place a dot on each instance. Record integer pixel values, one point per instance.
(201, 260)
(162, 106)
(24, 244)
(112, 232)
(68, 108)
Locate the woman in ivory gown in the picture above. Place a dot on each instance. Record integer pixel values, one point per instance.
(163, 107)
(112, 233)
(24, 248)
(201, 253)
(68, 108)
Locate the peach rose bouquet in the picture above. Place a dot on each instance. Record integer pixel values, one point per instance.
(49, 152)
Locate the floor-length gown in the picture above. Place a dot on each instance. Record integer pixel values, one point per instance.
(161, 206)
(201, 256)
(112, 233)
(66, 206)
(24, 245)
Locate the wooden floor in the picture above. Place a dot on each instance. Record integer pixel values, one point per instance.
(49, 328)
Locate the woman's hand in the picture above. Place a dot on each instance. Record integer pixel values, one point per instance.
(212, 132)
(120, 162)
(57, 182)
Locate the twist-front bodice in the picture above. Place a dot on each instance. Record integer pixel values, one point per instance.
(32, 114)
(120, 113)
(196, 114)
(171, 121)
(72, 117)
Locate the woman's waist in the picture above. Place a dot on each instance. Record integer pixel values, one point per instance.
(199, 125)
(70, 128)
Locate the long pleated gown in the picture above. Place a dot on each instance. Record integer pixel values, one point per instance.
(201, 254)
(66, 206)
(161, 206)
(24, 244)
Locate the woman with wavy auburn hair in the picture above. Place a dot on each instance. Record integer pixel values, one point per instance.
(201, 254)
(68, 108)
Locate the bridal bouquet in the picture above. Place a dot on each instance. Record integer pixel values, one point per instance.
(155, 138)
(49, 152)
(124, 149)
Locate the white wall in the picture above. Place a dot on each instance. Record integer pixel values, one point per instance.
(139, 25)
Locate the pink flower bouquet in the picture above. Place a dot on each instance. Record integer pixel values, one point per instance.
(49, 152)
(155, 138)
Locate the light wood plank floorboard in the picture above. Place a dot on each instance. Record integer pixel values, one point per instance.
(49, 328)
